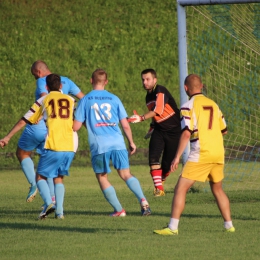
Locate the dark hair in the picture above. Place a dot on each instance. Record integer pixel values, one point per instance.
(152, 71)
(53, 82)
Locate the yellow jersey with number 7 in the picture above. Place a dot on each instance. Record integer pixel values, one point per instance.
(205, 121)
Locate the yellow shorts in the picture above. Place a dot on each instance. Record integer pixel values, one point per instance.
(213, 172)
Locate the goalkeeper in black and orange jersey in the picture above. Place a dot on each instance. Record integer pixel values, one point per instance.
(165, 128)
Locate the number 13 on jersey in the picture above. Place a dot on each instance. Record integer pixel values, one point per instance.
(102, 111)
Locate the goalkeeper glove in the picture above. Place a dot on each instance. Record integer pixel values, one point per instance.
(135, 118)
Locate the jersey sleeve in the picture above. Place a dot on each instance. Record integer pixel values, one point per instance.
(40, 87)
(74, 89)
(121, 110)
(35, 112)
(186, 117)
(80, 112)
(159, 104)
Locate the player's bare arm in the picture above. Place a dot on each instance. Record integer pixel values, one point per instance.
(2, 144)
(16, 128)
(185, 137)
(128, 133)
(76, 125)
(80, 95)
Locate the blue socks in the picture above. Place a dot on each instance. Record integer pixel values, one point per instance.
(110, 195)
(28, 170)
(51, 186)
(46, 196)
(134, 185)
(44, 191)
(59, 194)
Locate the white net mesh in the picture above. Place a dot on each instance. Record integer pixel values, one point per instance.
(223, 43)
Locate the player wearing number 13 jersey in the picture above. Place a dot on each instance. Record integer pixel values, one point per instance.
(102, 112)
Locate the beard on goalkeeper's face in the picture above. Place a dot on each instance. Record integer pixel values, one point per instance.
(149, 87)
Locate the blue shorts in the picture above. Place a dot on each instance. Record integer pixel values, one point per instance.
(53, 164)
(33, 137)
(119, 158)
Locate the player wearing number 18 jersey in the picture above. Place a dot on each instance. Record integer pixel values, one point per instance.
(33, 136)
(57, 109)
(60, 143)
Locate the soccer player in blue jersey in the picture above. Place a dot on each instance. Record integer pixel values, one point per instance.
(60, 143)
(102, 112)
(34, 135)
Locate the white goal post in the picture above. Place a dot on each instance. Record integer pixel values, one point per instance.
(220, 41)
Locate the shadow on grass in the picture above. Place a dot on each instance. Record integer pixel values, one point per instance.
(27, 226)
(22, 214)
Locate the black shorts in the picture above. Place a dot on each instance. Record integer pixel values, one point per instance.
(163, 144)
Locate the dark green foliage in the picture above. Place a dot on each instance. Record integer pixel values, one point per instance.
(125, 37)
(75, 38)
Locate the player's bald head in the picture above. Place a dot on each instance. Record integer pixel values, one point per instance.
(193, 84)
(39, 65)
(40, 69)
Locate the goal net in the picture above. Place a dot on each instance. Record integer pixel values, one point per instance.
(223, 47)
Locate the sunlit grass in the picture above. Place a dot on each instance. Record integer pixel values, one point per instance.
(87, 231)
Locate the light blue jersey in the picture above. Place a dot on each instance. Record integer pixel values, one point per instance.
(102, 111)
(68, 87)
(33, 136)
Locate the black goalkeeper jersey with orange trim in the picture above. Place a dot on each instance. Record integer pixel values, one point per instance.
(163, 104)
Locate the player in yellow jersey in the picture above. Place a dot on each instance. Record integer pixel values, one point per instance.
(60, 143)
(203, 125)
